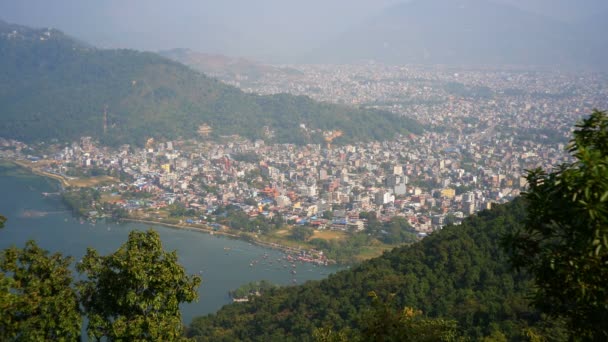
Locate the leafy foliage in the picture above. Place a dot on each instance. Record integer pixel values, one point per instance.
(459, 272)
(384, 323)
(79, 200)
(37, 300)
(58, 88)
(301, 233)
(252, 288)
(564, 243)
(134, 293)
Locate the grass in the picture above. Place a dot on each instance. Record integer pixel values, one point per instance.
(92, 181)
(369, 252)
(77, 182)
(329, 235)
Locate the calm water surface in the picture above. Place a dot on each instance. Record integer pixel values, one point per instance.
(223, 263)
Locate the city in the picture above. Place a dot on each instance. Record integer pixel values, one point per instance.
(482, 135)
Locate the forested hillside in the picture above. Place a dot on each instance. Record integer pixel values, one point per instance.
(458, 273)
(56, 87)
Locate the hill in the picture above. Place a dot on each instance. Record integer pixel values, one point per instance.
(226, 68)
(464, 32)
(458, 273)
(54, 87)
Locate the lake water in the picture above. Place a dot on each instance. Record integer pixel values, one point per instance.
(223, 263)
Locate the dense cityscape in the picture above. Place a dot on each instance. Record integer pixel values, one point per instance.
(485, 128)
(369, 170)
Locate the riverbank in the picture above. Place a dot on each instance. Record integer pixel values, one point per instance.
(247, 238)
(222, 262)
(36, 169)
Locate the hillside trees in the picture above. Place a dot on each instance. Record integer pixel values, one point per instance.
(60, 80)
(37, 300)
(564, 243)
(382, 322)
(458, 273)
(134, 293)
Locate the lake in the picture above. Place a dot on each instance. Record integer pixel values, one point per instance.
(223, 263)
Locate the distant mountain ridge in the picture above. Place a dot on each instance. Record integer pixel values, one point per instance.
(54, 87)
(223, 67)
(464, 32)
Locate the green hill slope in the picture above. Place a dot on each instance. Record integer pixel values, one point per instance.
(55, 87)
(459, 273)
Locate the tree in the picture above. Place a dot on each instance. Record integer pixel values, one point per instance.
(382, 322)
(37, 300)
(564, 244)
(134, 293)
(301, 233)
(2, 221)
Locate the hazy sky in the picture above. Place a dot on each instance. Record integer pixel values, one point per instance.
(258, 28)
(263, 29)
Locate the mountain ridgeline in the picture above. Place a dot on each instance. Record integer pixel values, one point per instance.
(459, 273)
(57, 88)
(226, 68)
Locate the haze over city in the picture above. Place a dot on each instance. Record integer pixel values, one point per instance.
(293, 31)
(323, 170)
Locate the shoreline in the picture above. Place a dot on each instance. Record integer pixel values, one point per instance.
(253, 240)
(64, 182)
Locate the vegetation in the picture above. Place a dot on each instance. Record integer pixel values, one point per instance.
(81, 200)
(462, 277)
(556, 236)
(37, 299)
(301, 233)
(382, 322)
(396, 231)
(458, 273)
(564, 243)
(132, 294)
(344, 251)
(253, 288)
(60, 88)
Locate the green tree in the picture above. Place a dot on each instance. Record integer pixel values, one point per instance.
(384, 323)
(301, 233)
(134, 293)
(564, 244)
(37, 300)
(2, 221)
